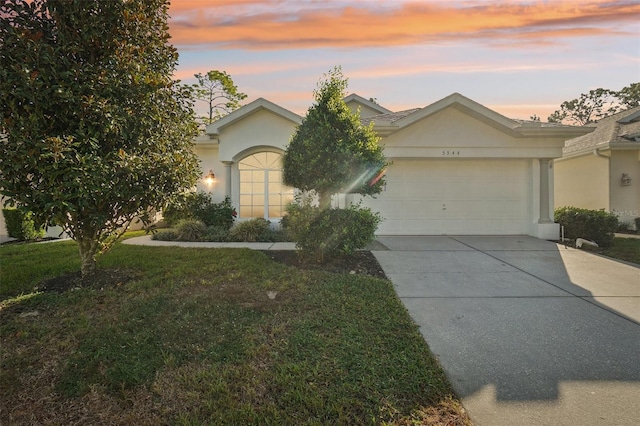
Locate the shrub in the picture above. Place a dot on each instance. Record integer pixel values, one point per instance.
(183, 206)
(20, 225)
(251, 230)
(165, 235)
(624, 227)
(191, 230)
(217, 234)
(198, 205)
(275, 236)
(297, 218)
(637, 221)
(594, 225)
(219, 215)
(324, 234)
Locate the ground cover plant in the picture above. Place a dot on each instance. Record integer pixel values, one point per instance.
(207, 336)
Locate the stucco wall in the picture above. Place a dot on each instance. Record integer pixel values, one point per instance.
(451, 133)
(208, 155)
(262, 128)
(448, 127)
(625, 200)
(582, 182)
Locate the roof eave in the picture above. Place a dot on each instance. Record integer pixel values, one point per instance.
(384, 130)
(624, 145)
(566, 132)
(206, 139)
(259, 104)
(362, 101)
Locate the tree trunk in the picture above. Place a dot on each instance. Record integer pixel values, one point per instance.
(88, 248)
(324, 200)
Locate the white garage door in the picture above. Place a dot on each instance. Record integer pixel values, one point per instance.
(454, 197)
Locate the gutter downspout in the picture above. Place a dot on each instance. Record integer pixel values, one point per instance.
(596, 152)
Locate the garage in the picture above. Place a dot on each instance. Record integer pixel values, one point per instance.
(459, 168)
(455, 197)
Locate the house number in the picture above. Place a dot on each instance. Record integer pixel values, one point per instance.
(450, 153)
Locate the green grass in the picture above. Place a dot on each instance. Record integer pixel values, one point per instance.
(627, 249)
(195, 339)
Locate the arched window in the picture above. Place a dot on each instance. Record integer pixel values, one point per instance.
(262, 193)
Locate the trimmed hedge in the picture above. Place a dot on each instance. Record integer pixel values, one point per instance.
(324, 234)
(594, 225)
(20, 225)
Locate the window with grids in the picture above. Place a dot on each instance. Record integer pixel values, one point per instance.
(262, 193)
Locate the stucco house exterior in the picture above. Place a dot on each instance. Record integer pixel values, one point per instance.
(601, 170)
(457, 167)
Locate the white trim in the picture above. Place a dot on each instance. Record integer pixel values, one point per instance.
(216, 127)
(371, 105)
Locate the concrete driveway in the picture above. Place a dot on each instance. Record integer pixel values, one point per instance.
(529, 332)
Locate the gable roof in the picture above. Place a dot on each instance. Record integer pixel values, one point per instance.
(621, 130)
(386, 124)
(390, 117)
(252, 107)
(364, 102)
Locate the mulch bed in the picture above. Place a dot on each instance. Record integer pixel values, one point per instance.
(361, 262)
(103, 278)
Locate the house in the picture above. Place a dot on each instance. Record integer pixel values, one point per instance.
(457, 167)
(601, 170)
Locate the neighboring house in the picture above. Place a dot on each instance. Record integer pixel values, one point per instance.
(601, 170)
(457, 167)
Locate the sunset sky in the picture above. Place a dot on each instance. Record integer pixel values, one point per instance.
(516, 57)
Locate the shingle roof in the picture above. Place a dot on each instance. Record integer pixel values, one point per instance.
(390, 117)
(532, 123)
(609, 131)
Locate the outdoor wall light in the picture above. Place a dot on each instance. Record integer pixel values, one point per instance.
(625, 180)
(210, 178)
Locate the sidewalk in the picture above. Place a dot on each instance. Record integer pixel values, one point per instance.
(146, 240)
(632, 236)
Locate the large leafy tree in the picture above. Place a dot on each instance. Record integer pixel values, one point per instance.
(331, 151)
(596, 104)
(96, 131)
(629, 97)
(219, 92)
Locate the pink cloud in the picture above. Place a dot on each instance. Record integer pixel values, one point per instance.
(258, 25)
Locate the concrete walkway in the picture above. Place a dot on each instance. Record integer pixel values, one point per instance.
(146, 240)
(528, 331)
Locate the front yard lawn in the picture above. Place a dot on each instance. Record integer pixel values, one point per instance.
(627, 249)
(208, 336)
